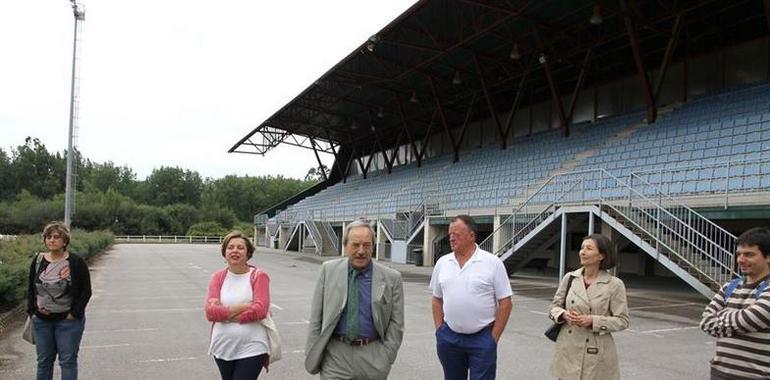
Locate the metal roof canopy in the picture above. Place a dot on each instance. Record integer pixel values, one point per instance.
(400, 86)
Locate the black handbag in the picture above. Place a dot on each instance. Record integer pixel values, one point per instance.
(553, 332)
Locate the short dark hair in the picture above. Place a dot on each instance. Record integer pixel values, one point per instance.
(59, 227)
(238, 234)
(758, 236)
(606, 248)
(468, 221)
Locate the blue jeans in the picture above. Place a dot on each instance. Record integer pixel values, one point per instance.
(461, 353)
(57, 338)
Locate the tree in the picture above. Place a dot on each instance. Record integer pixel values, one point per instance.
(35, 169)
(167, 185)
(316, 174)
(184, 214)
(101, 177)
(6, 182)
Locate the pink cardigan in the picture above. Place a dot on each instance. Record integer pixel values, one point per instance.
(260, 304)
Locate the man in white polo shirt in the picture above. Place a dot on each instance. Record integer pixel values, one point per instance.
(471, 305)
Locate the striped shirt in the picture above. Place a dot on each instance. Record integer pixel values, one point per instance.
(742, 328)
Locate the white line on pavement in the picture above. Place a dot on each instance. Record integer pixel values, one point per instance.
(124, 311)
(118, 330)
(671, 329)
(663, 306)
(106, 346)
(276, 306)
(165, 360)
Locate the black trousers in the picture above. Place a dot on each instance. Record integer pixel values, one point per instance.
(241, 369)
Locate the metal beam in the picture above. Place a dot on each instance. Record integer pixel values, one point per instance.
(427, 136)
(467, 120)
(667, 58)
(515, 105)
(488, 98)
(556, 97)
(406, 129)
(652, 111)
(455, 46)
(444, 122)
(320, 164)
(579, 85)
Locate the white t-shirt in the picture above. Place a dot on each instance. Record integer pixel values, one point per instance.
(470, 293)
(233, 340)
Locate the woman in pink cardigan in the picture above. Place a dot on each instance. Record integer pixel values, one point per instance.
(237, 299)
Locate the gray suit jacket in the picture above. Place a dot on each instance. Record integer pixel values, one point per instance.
(329, 300)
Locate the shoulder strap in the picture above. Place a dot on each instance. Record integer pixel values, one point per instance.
(38, 260)
(759, 289)
(569, 285)
(731, 287)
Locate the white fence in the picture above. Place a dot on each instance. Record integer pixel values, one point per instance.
(169, 239)
(7, 237)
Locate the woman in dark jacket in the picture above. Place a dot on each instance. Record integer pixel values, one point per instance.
(59, 290)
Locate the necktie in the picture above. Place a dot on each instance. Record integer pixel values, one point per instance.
(352, 308)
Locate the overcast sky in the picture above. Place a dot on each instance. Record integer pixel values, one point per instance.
(173, 82)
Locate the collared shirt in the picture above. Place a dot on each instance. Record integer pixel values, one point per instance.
(470, 293)
(365, 322)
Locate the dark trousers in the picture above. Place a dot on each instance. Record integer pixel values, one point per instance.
(462, 353)
(241, 369)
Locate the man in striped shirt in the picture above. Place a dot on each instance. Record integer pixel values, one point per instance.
(739, 315)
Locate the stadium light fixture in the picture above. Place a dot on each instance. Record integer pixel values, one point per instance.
(515, 55)
(456, 79)
(414, 99)
(596, 16)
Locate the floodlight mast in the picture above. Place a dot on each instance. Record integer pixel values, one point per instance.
(79, 12)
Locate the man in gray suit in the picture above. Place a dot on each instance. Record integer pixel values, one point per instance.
(357, 315)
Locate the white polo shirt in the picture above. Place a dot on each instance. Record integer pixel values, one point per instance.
(470, 293)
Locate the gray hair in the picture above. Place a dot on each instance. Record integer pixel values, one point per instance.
(356, 224)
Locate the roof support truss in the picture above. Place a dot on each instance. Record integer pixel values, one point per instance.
(652, 111)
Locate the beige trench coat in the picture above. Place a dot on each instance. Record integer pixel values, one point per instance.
(589, 353)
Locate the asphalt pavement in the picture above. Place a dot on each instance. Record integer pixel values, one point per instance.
(145, 321)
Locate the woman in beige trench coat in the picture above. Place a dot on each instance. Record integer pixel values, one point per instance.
(596, 307)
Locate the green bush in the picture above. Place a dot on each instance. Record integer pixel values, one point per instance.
(16, 257)
(207, 229)
(246, 228)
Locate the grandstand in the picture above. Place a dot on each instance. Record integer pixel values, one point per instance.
(671, 161)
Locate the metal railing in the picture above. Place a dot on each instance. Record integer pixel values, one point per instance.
(719, 178)
(330, 234)
(397, 228)
(272, 229)
(169, 239)
(315, 235)
(530, 213)
(260, 219)
(414, 220)
(671, 226)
